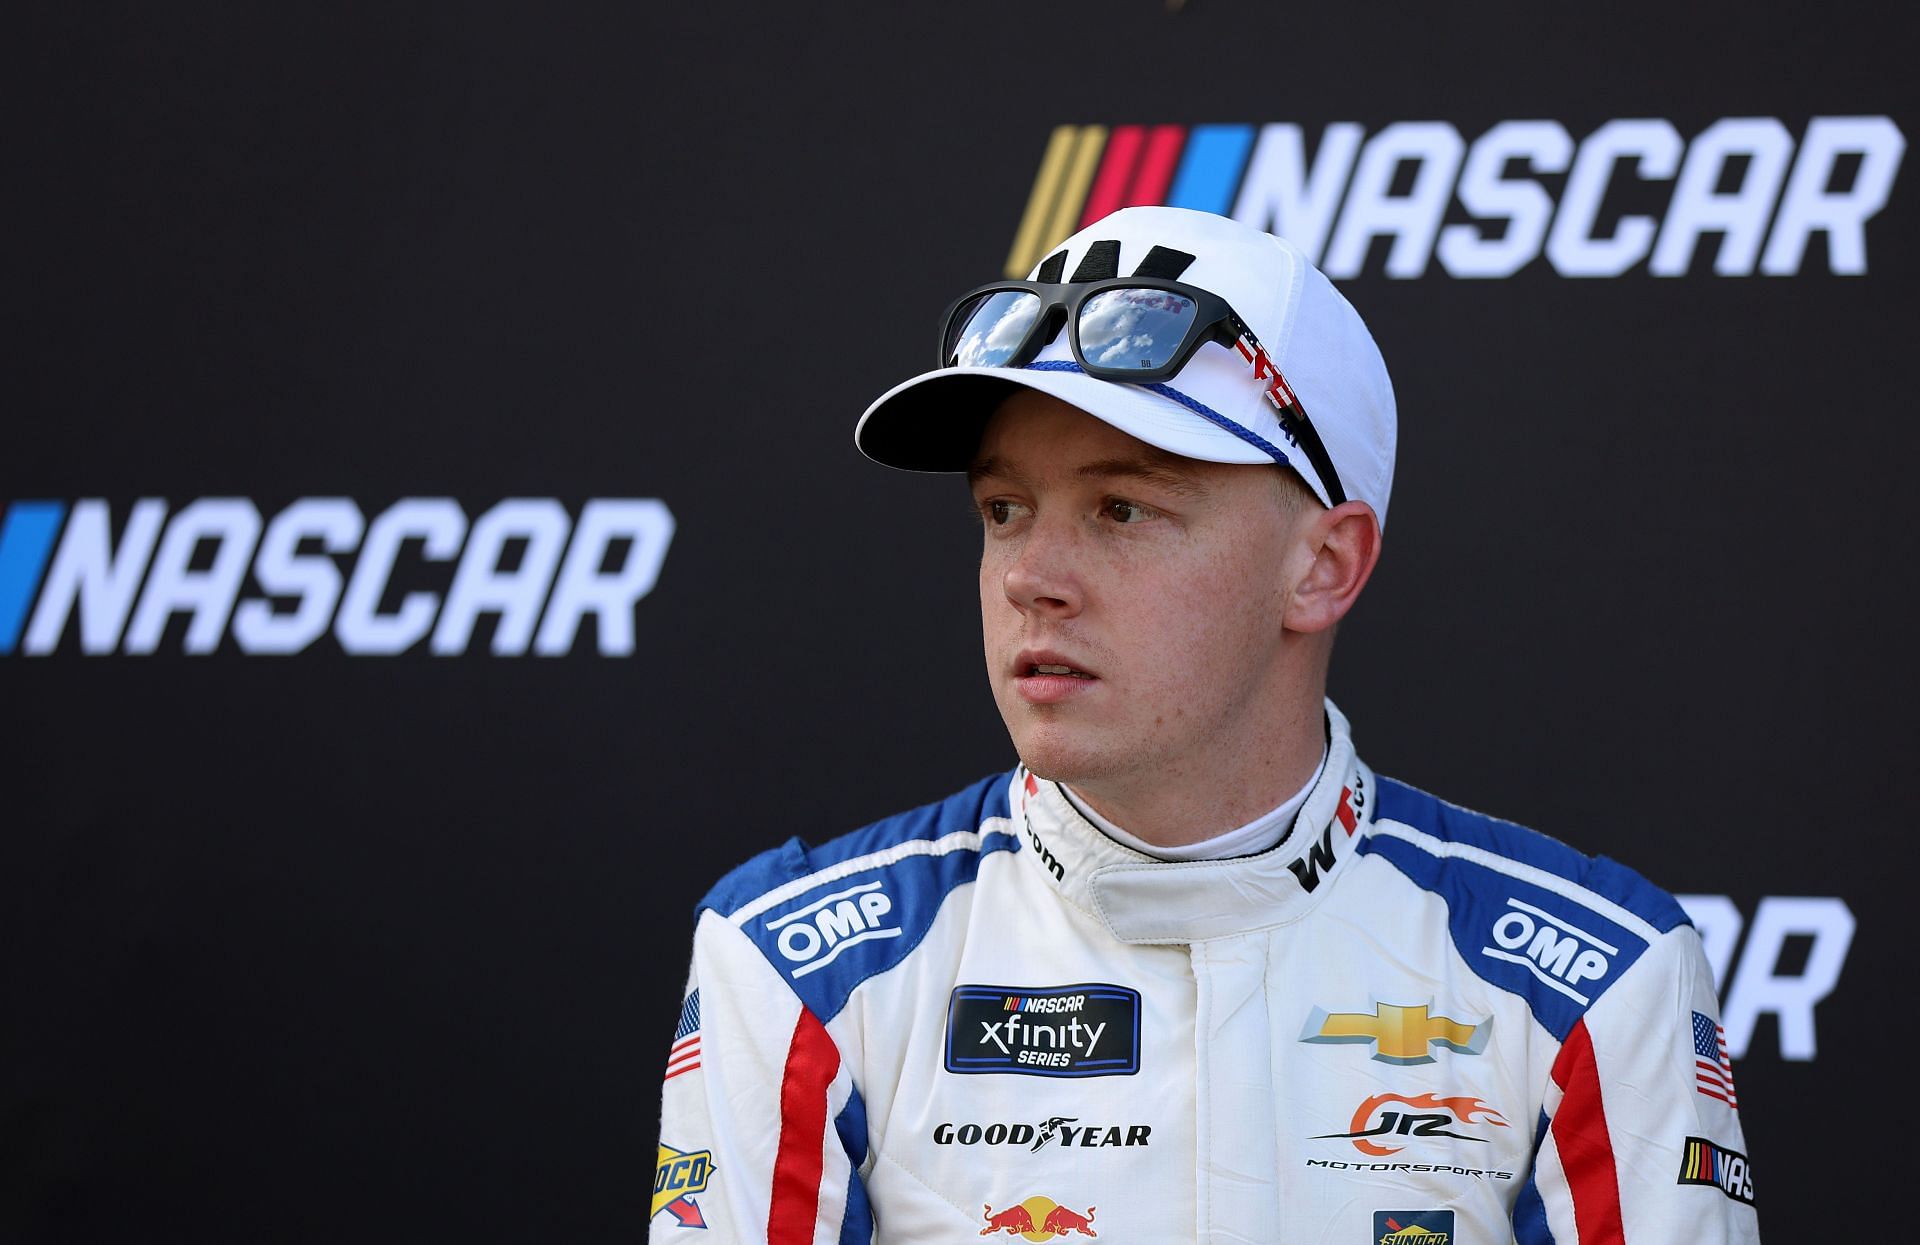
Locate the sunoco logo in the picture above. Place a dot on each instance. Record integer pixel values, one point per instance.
(1413, 1227)
(1490, 206)
(677, 1178)
(417, 572)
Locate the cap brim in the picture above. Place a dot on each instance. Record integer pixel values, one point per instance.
(933, 422)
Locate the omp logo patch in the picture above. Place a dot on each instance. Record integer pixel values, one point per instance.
(1072, 1031)
(1413, 1227)
(1385, 1116)
(1560, 954)
(1709, 1163)
(812, 937)
(677, 1177)
(1399, 1035)
(1745, 189)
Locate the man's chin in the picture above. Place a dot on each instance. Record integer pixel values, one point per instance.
(1058, 756)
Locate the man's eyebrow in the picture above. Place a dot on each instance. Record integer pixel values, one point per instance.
(1161, 470)
(1164, 470)
(991, 467)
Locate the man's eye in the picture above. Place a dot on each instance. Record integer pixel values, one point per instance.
(998, 512)
(1125, 511)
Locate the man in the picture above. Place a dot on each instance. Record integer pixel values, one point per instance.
(1192, 972)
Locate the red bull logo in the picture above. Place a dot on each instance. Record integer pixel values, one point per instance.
(1038, 1219)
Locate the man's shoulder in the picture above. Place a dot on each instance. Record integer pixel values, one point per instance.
(831, 917)
(1526, 912)
(1442, 830)
(939, 828)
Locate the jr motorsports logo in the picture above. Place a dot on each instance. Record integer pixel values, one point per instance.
(1488, 205)
(1380, 1122)
(418, 572)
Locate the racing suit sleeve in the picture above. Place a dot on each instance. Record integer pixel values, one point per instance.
(1641, 1135)
(761, 1130)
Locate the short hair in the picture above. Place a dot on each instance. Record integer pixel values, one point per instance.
(1292, 491)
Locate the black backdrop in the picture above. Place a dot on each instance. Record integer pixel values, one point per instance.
(331, 946)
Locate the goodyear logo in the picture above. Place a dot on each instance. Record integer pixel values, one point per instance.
(677, 1177)
(1490, 206)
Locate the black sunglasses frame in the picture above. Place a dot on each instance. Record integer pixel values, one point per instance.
(1214, 321)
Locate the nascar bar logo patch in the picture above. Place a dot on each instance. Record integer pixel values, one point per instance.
(1081, 1030)
(1709, 1163)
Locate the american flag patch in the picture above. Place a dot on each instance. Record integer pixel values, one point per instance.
(1712, 1070)
(685, 1055)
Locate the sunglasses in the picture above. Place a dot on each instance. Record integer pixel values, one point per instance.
(1134, 330)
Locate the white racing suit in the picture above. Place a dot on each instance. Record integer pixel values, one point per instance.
(1406, 1023)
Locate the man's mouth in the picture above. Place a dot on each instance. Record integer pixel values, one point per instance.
(1044, 678)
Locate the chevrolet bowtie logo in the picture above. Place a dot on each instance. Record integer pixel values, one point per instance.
(1398, 1034)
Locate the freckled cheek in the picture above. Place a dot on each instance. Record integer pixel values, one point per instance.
(1205, 624)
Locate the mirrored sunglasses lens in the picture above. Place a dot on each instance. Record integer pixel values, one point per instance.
(988, 331)
(1136, 329)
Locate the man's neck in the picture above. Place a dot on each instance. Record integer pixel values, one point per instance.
(1176, 809)
(1248, 840)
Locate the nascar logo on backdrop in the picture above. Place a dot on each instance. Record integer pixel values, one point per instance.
(1745, 190)
(524, 563)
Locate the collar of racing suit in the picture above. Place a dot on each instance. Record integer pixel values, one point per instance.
(1142, 900)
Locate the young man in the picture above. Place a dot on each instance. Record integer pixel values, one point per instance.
(1192, 972)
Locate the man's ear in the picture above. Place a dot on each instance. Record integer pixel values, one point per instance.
(1344, 543)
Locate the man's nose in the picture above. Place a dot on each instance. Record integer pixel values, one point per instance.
(1044, 576)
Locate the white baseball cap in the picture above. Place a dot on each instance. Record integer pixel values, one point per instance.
(1216, 407)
